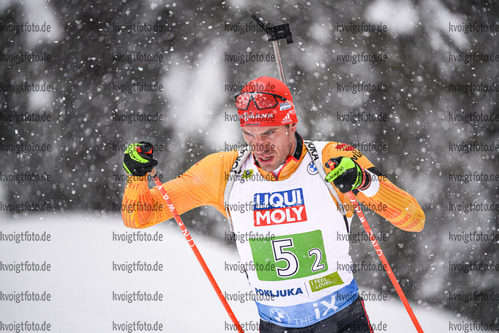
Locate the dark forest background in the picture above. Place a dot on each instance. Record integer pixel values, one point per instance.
(420, 146)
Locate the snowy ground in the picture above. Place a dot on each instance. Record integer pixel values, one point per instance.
(81, 281)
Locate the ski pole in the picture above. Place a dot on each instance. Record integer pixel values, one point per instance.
(194, 248)
(275, 44)
(383, 259)
(274, 33)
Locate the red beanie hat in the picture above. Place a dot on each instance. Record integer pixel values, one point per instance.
(265, 101)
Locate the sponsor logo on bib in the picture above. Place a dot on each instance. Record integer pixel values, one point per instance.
(279, 293)
(312, 169)
(274, 208)
(279, 315)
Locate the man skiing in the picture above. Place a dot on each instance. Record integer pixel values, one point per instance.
(303, 269)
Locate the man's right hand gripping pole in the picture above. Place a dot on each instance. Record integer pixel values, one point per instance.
(138, 159)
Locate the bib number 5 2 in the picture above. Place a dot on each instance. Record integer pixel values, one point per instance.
(292, 263)
(289, 256)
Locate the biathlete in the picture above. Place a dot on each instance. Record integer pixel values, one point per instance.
(302, 272)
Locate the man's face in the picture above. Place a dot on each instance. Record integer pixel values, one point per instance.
(271, 145)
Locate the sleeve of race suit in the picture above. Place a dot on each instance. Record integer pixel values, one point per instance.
(382, 196)
(203, 184)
